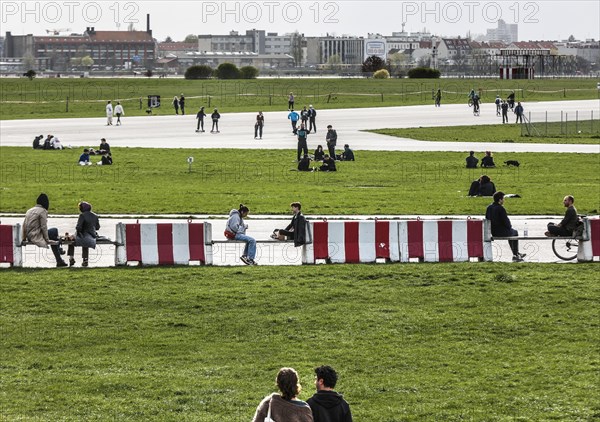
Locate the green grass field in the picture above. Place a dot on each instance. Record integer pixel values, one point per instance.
(491, 133)
(483, 342)
(46, 98)
(153, 181)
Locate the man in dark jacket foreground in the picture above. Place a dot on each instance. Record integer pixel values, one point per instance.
(296, 230)
(326, 404)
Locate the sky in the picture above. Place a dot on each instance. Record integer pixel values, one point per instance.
(537, 20)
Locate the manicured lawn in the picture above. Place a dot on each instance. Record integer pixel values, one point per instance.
(47, 98)
(411, 342)
(152, 181)
(497, 133)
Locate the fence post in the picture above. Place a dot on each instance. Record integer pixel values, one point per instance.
(209, 101)
(546, 124)
(140, 103)
(561, 122)
(565, 92)
(67, 104)
(382, 97)
(577, 121)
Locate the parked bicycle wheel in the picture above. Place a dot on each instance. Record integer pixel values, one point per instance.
(565, 249)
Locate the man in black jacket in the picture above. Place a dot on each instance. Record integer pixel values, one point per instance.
(326, 404)
(501, 226)
(296, 230)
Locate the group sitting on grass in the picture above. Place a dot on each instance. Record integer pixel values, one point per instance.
(103, 150)
(50, 143)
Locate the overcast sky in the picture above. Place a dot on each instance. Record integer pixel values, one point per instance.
(537, 20)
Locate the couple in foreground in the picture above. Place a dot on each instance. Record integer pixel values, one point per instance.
(325, 405)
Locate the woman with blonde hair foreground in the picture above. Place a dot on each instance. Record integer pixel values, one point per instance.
(284, 407)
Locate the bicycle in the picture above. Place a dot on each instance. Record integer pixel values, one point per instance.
(565, 249)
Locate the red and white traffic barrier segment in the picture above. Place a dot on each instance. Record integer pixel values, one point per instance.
(444, 240)
(10, 245)
(589, 246)
(164, 243)
(352, 242)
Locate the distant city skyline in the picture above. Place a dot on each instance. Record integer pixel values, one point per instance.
(540, 20)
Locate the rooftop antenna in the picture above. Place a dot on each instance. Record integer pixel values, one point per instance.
(403, 24)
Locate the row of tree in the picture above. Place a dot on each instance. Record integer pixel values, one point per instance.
(381, 70)
(223, 71)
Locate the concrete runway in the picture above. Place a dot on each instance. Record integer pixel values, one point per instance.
(237, 129)
(260, 227)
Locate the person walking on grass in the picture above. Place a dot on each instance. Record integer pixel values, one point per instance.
(182, 104)
(176, 104)
(302, 144)
(438, 98)
(331, 139)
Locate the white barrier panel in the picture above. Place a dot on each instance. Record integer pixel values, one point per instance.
(164, 243)
(589, 246)
(10, 245)
(444, 240)
(352, 242)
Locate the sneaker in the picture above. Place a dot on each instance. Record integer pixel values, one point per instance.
(522, 255)
(71, 262)
(252, 262)
(62, 251)
(61, 264)
(274, 236)
(517, 258)
(197, 131)
(84, 263)
(548, 234)
(246, 260)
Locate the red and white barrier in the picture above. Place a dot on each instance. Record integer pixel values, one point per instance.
(352, 242)
(164, 243)
(10, 245)
(589, 247)
(444, 240)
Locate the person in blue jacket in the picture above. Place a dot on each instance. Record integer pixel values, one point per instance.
(294, 117)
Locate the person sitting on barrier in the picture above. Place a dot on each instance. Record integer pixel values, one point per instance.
(304, 164)
(488, 160)
(569, 222)
(35, 229)
(319, 153)
(501, 226)
(328, 164)
(482, 187)
(472, 160)
(296, 230)
(236, 230)
(85, 234)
